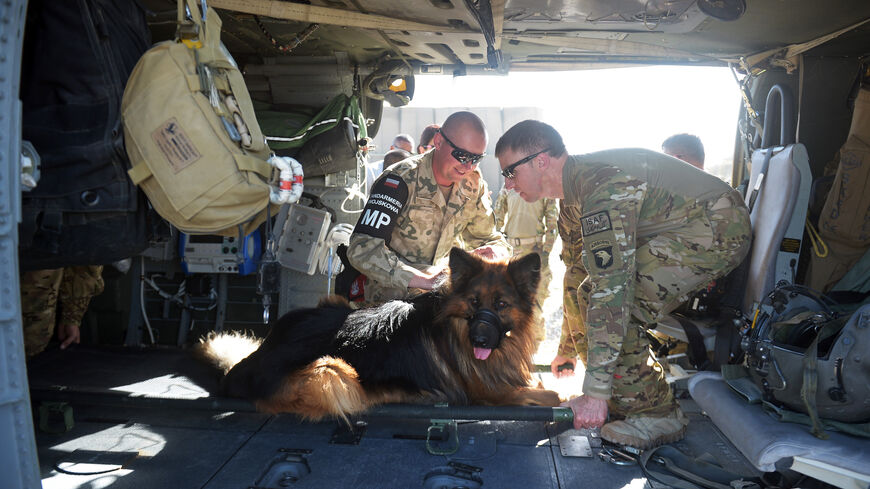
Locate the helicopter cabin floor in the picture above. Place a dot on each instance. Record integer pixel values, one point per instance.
(189, 443)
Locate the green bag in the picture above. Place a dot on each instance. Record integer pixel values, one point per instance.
(332, 141)
(192, 135)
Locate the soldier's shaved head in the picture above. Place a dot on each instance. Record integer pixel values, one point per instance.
(462, 136)
(686, 147)
(463, 121)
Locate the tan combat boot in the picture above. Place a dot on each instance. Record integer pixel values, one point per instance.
(646, 432)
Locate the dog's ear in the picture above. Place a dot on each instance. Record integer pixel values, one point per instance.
(463, 265)
(526, 273)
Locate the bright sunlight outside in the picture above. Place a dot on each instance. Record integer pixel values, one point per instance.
(610, 108)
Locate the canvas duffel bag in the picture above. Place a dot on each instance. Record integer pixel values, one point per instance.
(192, 135)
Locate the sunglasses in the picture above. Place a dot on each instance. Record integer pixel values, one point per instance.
(461, 155)
(509, 171)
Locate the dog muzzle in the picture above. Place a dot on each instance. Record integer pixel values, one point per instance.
(485, 332)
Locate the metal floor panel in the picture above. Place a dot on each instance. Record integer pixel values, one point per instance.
(167, 372)
(180, 439)
(378, 463)
(135, 456)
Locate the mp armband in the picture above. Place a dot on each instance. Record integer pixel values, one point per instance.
(388, 197)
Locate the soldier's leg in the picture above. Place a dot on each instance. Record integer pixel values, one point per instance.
(544, 285)
(639, 385)
(669, 268)
(672, 266)
(540, 294)
(667, 274)
(573, 341)
(39, 290)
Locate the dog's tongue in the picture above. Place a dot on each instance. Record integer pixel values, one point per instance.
(482, 353)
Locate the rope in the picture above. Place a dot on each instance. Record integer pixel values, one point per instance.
(297, 40)
(819, 246)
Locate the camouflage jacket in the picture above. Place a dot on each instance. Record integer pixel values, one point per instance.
(407, 224)
(519, 219)
(618, 200)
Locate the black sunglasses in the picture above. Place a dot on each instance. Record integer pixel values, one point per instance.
(509, 171)
(463, 156)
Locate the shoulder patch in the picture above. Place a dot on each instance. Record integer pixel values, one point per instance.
(387, 199)
(602, 253)
(596, 222)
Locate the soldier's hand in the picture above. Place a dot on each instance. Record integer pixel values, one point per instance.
(68, 334)
(588, 411)
(487, 252)
(563, 366)
(428, 281)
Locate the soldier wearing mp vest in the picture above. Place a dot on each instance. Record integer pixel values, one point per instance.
(654, 230)
(419, 208)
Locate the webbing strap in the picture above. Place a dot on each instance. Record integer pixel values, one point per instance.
(254, 164)
(759, 182)
(811, 378)
(139, 173)
(668, 465)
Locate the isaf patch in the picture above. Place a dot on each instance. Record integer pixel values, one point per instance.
(388, 197)
(596, 222)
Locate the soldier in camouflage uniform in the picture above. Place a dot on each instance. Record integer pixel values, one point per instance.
(530, 227)
(419, 208)
(43, 292)
(654, 231)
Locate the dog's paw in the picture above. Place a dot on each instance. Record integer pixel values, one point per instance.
(541, 397)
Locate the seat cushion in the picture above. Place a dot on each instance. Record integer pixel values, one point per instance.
(764, 441)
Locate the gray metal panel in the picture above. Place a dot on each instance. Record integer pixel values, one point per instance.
(18, 461)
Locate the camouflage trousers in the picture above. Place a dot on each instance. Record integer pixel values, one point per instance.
(639, 385)
(670, 267)
(543, 286)
(573, 341)
(43, 292)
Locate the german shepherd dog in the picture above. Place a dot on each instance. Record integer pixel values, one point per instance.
(468, 342)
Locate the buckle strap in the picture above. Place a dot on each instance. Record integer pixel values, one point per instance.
(525, 241)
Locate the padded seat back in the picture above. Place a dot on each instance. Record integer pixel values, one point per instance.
(780, 189)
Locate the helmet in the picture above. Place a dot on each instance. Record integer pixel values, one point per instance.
(793, 322)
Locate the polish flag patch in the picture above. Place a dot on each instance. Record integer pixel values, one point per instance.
(391, 182)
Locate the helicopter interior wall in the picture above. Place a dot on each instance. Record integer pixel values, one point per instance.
(824, 111)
